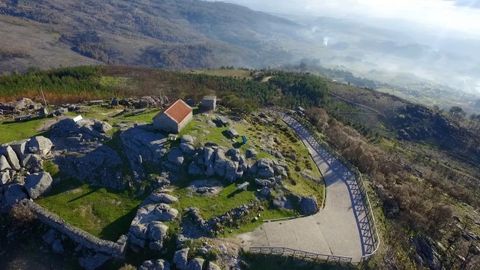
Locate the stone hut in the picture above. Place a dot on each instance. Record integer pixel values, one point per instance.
(174, 118)
(209, 103)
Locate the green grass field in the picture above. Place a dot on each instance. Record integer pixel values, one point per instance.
(13, 131)
(227, 199)
(211, 206)
(103, 213)
(10, 132)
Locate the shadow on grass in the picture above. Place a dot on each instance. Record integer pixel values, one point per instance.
(234, 193)
(64, 185)
(95, 189)
(120, 226)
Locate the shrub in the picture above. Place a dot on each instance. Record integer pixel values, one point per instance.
(22, 215)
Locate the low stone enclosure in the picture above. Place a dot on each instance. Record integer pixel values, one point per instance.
(82, 238)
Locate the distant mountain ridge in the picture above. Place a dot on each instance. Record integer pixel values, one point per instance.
(156, 33)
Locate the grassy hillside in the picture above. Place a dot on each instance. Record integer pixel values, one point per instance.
(419, 165)
(26, 44)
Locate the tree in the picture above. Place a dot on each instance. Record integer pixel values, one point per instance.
(457, 113)
(439, 216)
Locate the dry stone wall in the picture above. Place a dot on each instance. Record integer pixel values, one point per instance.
(114, 249)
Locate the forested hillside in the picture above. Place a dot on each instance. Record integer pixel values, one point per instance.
(173, 34)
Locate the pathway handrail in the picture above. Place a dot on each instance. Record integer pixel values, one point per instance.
(301, 254)
(358, 180)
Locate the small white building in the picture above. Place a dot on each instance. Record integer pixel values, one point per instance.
(174, 118)
(208, 103)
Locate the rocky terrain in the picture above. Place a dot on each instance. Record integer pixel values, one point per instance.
(119, 180)
(21, 171)
(127, 157)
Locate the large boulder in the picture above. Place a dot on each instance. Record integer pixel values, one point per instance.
(180, 259)
(250, 153)
(11, 156)
(231, 171)
(210, 170)
(138, 234)
(264, 182)
(100, 166)
(65, 128)
(89, 130)
(308, 206)
(102, 127)
(234, 154)
(264, 168)
(280, 171)
(157, 232)
(196, 264)
(39, 145)
(37, 184)
(164, 212)
(20, 149)
(4, 165)
(175, 156)
(208, 156)
(187, 139)
(141, 145)
(187, 148)
(4, 178)
(161, 197)
(155, 265)
(33, 163)
(220, 162)
(194, 169)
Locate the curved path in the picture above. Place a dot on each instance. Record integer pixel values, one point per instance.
(337, 229)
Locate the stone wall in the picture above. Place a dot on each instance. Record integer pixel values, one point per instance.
(164, 123)
(78, 236)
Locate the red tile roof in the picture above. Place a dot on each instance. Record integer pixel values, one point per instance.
(178, 111)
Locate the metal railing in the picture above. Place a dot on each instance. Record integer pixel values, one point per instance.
(368, 227)
(300, 254)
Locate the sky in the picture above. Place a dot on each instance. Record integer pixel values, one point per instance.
(460, 16)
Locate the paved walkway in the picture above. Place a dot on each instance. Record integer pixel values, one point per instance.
(335, 230)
